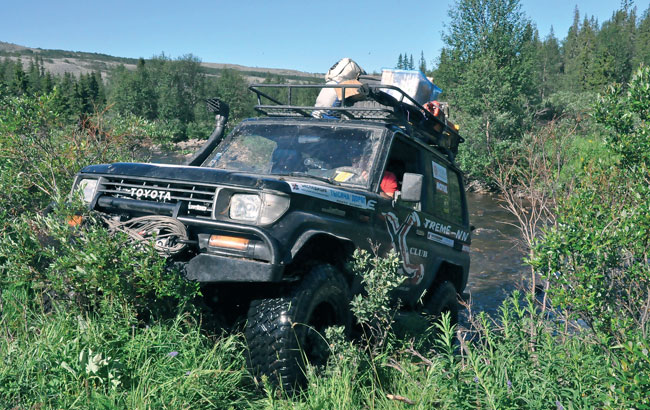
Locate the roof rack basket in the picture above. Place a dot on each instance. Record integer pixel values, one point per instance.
(365, 102)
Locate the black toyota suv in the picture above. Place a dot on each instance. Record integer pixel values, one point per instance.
(266, 217)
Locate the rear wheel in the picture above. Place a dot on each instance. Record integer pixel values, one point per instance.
(285, 332)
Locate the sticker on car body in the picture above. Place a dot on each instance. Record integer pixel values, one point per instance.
(440, 239)
(398, 235)
(331, 194)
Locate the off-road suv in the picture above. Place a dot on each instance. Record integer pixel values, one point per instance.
(267, 217)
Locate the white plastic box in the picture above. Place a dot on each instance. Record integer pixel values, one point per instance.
(414, 83)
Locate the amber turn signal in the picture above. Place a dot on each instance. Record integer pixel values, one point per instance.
(230, 242)
(75, 220)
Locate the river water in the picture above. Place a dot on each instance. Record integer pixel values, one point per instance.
(496, 267)
(496, 261)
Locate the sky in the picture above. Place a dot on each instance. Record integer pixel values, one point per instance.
(302, 35)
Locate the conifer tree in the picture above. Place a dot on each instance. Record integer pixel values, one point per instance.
(19, 82)
(4, 68)
(33, 77)
(590, 73)
(570, 51)
(642, 41)
(423, 64)
(616, 46)
(550, 65)
(134, 92)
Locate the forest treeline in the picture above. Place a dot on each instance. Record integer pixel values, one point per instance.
(503, 81)
(169, 92)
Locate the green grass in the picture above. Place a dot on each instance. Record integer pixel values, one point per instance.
(168, 364)
(176, 363)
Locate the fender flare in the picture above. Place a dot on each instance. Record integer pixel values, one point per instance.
(309, 234)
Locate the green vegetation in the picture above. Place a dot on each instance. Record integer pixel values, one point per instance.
(596, 256)
(89, 321)
(167, 93)
(503, 81)
(60, 351)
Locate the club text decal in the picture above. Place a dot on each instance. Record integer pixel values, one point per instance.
(437, 227)
(398, 233)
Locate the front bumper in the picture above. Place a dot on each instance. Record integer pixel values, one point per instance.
(207, 268)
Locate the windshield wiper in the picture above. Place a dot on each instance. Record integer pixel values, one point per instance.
(307, 175)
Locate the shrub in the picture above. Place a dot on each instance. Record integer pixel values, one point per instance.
(596, 257)
(86, 266)
(40, 153)
(373, 309)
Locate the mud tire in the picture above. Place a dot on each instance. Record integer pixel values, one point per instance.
(284, 331)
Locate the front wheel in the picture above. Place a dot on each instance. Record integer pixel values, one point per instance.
(283, 333)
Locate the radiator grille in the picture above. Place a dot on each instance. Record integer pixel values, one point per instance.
(196, 200)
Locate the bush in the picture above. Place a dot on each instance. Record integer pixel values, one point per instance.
(40, 153)
(372, 309)
(596, 257)
(86, 267)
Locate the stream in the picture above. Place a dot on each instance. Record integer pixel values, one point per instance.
(496, 267)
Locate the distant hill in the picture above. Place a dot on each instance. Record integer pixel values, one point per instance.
(79, 62)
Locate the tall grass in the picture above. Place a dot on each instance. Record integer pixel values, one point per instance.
(64, 360)
(174, 363)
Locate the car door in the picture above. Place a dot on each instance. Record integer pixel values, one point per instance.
(400, 223)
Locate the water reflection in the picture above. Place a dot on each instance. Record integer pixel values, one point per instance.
(496, 262)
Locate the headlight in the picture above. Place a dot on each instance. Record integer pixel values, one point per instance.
(262, 209)
(88, 187)
(245, 207)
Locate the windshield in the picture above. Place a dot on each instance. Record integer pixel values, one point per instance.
(339, 154)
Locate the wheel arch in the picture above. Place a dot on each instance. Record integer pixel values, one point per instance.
(319, 246)
(446, 272)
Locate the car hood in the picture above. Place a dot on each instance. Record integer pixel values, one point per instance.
(190, 174)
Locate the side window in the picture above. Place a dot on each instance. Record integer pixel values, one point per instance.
(403, 157)
(446, 202)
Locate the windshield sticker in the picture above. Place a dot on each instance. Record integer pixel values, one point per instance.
(398, 233)
(330, 194)
(307, 139)
(441, 187)
(439, 172)
(342, 176)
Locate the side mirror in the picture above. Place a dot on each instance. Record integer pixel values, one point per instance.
(412, 187)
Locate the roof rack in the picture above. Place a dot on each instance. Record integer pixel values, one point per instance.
(365, 102)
